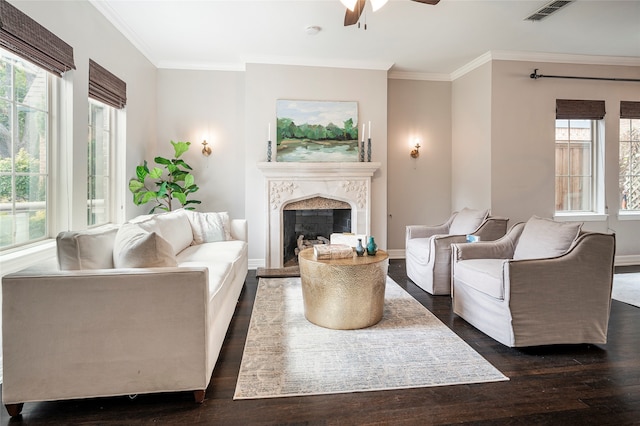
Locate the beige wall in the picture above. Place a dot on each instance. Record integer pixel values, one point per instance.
(193, 105)
(523, 151)
(471, 140)
(267, 83)
(419, 189)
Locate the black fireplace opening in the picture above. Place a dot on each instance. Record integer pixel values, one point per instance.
(307, 227)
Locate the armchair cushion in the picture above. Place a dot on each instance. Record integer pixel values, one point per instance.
(135, 247)
(483, 275)
(467, 221)
(544, 238)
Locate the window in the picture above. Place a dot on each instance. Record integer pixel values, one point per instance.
(579, 157)
(629, 156)
(24, 150)
(99, 161)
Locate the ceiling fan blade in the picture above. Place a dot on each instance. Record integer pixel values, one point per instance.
(433, 2)
(351, 17)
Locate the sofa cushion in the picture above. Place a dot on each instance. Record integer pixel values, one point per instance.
(173, 226)
(544, 238)
(90, 249)
(210, 227)
(136, 247)
(467, 221)
(483, 275)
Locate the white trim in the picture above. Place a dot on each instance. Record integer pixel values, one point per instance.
(635, 215)
(401, 75)
(28, 256)
(470, 66)
(396, 253)
(112, 16)
(627, 260)
(580, 217)
(256, 263)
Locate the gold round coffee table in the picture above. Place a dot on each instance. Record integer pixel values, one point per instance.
(343, 294)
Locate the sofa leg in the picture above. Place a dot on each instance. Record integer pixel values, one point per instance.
(198, 395)
(14, 409)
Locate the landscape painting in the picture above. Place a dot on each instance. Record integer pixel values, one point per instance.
(317, 131)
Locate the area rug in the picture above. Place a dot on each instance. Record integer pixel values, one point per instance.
(286, 355)
(626, 288)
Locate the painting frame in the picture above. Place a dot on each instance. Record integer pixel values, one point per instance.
(316, 131)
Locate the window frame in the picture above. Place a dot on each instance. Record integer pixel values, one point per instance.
(626, 214)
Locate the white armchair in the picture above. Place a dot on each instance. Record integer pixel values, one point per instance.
(543, 283)
(428, 248)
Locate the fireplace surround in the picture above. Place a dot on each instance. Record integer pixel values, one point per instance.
(286, 183)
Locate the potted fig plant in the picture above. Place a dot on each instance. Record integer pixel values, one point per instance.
(156, 186)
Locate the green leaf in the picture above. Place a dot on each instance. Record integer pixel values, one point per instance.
(188, 180)
(162, 191)
(162, 160)
(193, 202)
(142, 172)
(148, 196)
(137, 198)
(180, 147)
(175, 187)
(180, 197)
(172, 168)
(181, 163)
(135, 185)
(155, 173)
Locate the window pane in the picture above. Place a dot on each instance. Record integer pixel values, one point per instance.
(629, 164)
(575, 176)
(24, 122)
(99, 163)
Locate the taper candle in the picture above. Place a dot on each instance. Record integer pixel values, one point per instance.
(369, 130)
(269, 133)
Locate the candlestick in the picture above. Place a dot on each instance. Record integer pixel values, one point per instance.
(269, 151)
(362, 151)
(369, 150)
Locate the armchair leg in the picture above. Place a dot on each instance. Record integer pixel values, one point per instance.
(198, 395)
(14, 409)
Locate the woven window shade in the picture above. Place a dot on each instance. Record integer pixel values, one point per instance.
(569, 109)
(106, 87)
(629, 109)
(26, 38)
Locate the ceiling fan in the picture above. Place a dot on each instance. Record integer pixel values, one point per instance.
(355, 8)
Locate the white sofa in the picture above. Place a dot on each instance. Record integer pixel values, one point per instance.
(135, 309)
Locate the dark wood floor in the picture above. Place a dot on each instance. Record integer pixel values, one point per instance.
(557, 385)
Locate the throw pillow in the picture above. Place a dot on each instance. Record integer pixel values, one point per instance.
(544, 238)
(90, 249)
(210, 227)
(467, 221)
(135, 247)
(173, 226)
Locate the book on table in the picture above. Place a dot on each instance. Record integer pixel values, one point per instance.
(332, 251)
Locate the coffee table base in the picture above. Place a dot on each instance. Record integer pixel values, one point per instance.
(344, 295)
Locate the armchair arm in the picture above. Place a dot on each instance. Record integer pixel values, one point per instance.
(239, 229)
(492, 229)
(426, 231)
(574, 288)
(502, 248)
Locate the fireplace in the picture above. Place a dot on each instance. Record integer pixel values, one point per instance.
(301, 186)
(312, 221)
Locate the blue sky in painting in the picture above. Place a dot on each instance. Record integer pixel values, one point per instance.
(317, 112)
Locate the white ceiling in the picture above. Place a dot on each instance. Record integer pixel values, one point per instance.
(404, 36)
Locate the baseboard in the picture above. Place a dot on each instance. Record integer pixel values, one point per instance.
(256, 263)
(628, 260)
(396, 253)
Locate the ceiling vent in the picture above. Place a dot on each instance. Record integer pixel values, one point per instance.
(547, 10)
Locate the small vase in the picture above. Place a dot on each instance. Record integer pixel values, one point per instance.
(372, 247)
(359, 248)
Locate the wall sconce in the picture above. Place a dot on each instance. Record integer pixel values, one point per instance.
(206, 149)
(415, 152)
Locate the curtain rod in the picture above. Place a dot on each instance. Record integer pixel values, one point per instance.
(536, 76)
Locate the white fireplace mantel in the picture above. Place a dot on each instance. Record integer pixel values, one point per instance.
(288, 182)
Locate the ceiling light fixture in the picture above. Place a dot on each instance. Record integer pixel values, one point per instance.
(377, 4)
(349, 4)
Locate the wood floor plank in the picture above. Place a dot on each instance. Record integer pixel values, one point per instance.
(563, 384)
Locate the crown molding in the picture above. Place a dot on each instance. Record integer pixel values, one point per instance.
(319, 62)
(202, 66)
(403, 75)
(110, 14)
